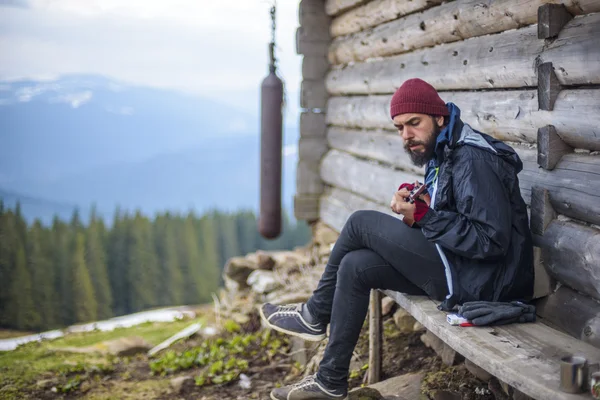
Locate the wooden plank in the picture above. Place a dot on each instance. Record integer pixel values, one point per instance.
(312, 124)
(377, 145)
(337, 205)
(333, 7)
(551, 147)
(365, 178)
(573, 313)
(507, 115)
(503, 60)
(447, 23)
(548, 86)
(571, 253)
(525, 356)
(306, 207)
(376, 12)
(313, 94)
(551, 19)
(375, 337)
(314, 68)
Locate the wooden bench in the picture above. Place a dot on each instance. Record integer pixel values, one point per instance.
(525, 356)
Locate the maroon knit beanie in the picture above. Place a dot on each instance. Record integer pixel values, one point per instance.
(417, 96)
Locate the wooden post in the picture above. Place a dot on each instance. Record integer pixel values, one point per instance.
(375, 337)
(551, 147)
(551, 19)
(548, 86)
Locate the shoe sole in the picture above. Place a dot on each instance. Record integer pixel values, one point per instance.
(304, 336)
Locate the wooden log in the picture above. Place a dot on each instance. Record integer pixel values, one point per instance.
(571, 253)
(313, 94)
(333, 7)
(312, 124)
(306, 207)
(573, 313)
(542, 212)
(375, 337)
(307, 178)
(507, 115)
(548, 86)
(551, 19)
(368, 179)
(551, 147)
(314, 68)
(376, 12)
(378, 145)
(336, 206)
(447, 23)
(573, 185)
(310, 45)
(494, 61)
(311, 13)
(312, 149)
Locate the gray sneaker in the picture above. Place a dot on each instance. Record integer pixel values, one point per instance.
(307, 389)
(288, 319)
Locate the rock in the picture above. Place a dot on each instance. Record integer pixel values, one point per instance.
(476, 370)
(283, 297)
(182, 383)
(264, 261)
(262, 281)
(365, 393)
(448, 354)
(46, 383)
(387, 306)
(239, 269)
(126, 346)
(407, 386)
(290, 260)
(418, 327)
(323, 234)
(404, 321)
(446, 395)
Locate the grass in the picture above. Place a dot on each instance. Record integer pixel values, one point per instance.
(7, 333)
(20, 368)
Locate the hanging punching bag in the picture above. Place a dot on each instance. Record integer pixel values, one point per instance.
(269, 221)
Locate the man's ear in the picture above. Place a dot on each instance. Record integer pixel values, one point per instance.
(439, 119)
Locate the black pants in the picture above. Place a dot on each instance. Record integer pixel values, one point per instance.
(374, 251)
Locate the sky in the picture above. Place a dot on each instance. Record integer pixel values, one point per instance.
(216, 49)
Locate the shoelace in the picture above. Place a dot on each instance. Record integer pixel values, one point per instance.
(309, 380)
(289, 310)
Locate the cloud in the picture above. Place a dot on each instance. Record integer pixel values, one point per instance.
(126, 110)
(15, 3)
(290, 150)
(27, 93)
(75, 100)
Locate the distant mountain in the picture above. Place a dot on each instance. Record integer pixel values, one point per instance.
(85, 139)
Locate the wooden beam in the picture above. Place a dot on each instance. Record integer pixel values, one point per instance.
(551, 147)
(312, 124)
(306, 207)
(507, 115)
(375, 337)
(542, 212)
(571, 253)
(372, 181)
(307, 178)
(447, 23)
(551, 19)
(548, 86)
(312, 13)
(376, 12)
(333, 7)
(312, 149)
(573, 313)
(310, 45)
(313, 94)
(379, 145)
(503, 60)
(314, 68)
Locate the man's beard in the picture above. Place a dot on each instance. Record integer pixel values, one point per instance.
(421, 158)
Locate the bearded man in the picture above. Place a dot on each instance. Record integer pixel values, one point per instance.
(467, 239)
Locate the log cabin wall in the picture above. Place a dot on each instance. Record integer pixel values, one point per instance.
(524, 71)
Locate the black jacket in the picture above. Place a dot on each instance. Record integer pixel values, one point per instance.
(478, 219)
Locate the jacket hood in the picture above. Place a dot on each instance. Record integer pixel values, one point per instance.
(457, 133)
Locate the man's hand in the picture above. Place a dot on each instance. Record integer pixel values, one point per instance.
(400, 205)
